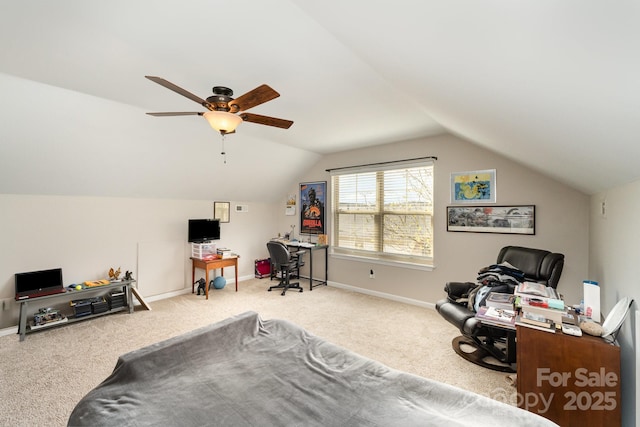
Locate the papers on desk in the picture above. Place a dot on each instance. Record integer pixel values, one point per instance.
(301, 244)
(295, 243)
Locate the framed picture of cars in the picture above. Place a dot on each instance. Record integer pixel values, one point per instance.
(519, 219)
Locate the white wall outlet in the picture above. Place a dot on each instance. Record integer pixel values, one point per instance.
(242, 208)
(372, 275)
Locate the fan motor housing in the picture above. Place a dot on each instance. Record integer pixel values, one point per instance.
(221, 98)
(221, 90)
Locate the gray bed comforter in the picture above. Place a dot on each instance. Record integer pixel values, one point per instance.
(245, 371)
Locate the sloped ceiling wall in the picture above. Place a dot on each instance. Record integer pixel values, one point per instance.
(549, 84)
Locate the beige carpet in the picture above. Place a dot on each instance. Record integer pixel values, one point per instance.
(44, 376)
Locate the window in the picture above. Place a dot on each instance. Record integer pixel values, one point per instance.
(384, 213)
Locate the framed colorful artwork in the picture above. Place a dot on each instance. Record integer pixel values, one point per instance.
(492, 219)
(473, 186)
(313, 197)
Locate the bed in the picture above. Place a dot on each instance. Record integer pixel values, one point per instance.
(246, 371)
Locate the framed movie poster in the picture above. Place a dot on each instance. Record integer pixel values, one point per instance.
(313, 196)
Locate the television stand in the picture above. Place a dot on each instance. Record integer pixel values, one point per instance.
(42, 301)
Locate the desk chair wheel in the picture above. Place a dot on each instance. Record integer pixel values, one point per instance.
(285, 291)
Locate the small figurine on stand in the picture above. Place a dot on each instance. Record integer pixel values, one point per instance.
(128, 275)
(113, 275)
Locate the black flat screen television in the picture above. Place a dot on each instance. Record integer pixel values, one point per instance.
(203, 230)
(34, 284)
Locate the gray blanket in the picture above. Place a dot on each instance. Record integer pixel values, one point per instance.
(245, 371)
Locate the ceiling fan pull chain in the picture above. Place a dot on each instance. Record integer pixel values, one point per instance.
(224, 153)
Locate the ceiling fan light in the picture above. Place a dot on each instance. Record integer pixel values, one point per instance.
(222, 121)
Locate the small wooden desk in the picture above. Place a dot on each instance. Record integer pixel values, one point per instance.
(211, 264)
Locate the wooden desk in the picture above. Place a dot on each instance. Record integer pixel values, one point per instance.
(573, 381)
(211, 264)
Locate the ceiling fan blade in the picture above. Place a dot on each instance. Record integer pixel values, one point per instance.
(254, 97)
(178, 89)
(183, 113)
(266, 120)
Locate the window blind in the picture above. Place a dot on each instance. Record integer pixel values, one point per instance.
(384, 211)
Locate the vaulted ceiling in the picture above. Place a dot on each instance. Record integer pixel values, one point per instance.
(552, 84)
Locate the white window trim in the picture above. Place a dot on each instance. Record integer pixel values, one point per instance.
(378, 261)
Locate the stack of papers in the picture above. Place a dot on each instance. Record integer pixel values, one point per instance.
(497, 317)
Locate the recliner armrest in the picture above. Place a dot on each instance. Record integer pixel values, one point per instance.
(458, 290)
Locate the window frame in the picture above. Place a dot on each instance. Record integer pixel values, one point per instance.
(381, 257)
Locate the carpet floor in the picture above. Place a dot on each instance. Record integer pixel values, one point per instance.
(45, 376)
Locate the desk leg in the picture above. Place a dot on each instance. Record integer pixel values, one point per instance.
(193, 276)
(326, 266)
(206, 286)
(310, 269)
(236, 274)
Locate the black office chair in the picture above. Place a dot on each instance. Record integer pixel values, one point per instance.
(494, 348)
(285, 263)
(294, 273)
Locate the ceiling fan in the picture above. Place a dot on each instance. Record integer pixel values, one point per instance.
(224, 112)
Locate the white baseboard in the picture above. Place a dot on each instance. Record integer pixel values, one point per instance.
(383, 295)
(161, 296)
(184, 291)
(9, 331)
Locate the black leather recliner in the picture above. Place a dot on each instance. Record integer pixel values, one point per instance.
(494, 347)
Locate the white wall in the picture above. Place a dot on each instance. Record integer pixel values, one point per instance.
(87, 235)
(562, 220)
(615, 263)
